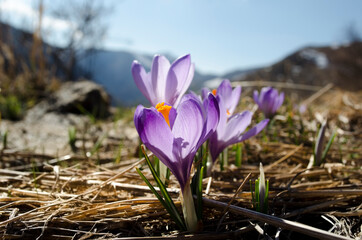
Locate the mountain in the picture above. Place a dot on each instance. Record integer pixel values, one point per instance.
(341, 65)
(316, 66)
(112, 69)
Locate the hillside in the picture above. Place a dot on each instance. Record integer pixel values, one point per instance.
(316, 66)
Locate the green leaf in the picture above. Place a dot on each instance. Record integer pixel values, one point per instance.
(159, 197)
(329, 144)
(257, 199)
(98, 144)
(167, 199)
(266, 196)
(199, 194)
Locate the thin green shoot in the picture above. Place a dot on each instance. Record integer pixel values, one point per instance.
(72, 138)
(5, 139)
(329, 144)
(167, 201)
(260, 205)
(118, 155)
(199, 206)
(97, 145)
(84, 111)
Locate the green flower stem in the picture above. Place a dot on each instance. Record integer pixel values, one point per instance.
(238, 155)
(188, 209)
(225, 156)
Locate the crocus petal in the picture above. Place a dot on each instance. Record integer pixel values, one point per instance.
(155, 133)
(225, 92)
(187, 131)
(159, 70)
(172, 116)
(278, 102)
(224, 89)
(205, 92)
(236, 126)
(136, 117)
(256, 97)
(230, 97)
(234, 99)
(212, 117)
(143, 81)
(223, 117)
(268, 100)
(254, 131)
(188, 126)
(178, 78)
(216, 142)
(318, 148)
(186, 84)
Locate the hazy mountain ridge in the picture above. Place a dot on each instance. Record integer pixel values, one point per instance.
(317, 66)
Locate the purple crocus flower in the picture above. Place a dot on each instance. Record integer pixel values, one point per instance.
(229, 96)
(268, 101)
(165, 82)
(174, 136)
(231, 130)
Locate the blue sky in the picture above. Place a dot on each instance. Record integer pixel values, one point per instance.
(223, 35)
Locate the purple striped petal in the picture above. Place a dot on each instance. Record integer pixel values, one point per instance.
(143, 81)
(254, 131)
(234, 99)
(159, 70)
(178, 78)
(188, 126)
(204, 93)
(230, 97)
(256, 97)
(211, 118)
(186, 84)
(154, 132)
(236, 126)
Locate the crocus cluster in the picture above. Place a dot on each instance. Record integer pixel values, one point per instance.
(174, 136)
(176, 125)
(268, 100)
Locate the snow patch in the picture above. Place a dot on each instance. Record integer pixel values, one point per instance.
(319, 58)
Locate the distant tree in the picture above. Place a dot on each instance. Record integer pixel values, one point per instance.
(352, 33)
(85, 32)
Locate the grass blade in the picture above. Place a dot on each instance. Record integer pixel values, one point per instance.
(329, 144)
(165, 194)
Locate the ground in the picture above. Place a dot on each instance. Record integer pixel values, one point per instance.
(48, 190)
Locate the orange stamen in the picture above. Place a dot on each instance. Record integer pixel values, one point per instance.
(227, 112)
(165, 111)
(214, 92)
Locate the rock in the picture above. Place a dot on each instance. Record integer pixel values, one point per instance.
(81, 97)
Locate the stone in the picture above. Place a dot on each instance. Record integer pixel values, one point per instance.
(81, 97)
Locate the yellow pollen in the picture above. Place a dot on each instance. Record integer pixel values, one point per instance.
(165, 111)
(227, 112)
(214, 92)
